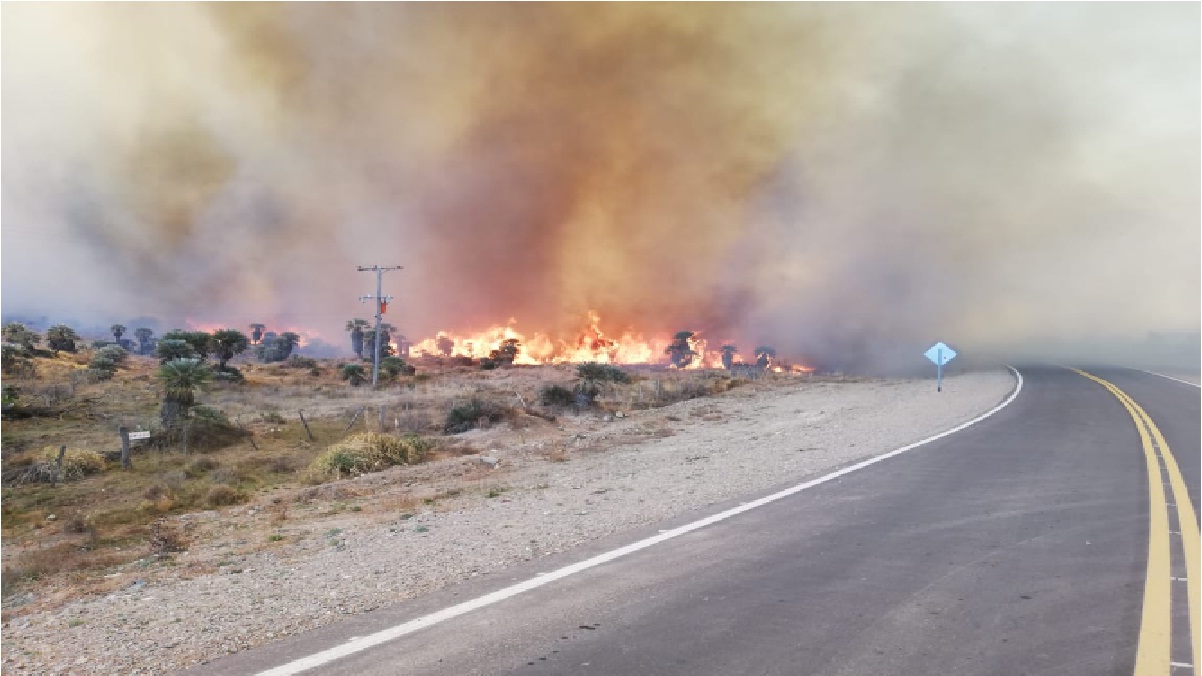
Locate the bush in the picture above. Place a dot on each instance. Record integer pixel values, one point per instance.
(395, 366)
(114, 353)
(602, 373)
(228, 374)
(209, 428)
(468, 415)
(353, 373)
(298, 362)
(199, 466)
(220, 496)
(99, 374)
(556, 395)
(166, 539)
(368, 452)
(16, 361)
(487, 364)
(106, 361)
(77, 463)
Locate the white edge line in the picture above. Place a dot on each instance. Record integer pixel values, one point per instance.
(383, 636)
(1183, 382)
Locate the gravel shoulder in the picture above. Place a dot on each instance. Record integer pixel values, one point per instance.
(300, 559)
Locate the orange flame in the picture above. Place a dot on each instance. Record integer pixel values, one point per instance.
(591, 344)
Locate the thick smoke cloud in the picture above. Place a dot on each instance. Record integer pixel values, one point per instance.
(847, 182)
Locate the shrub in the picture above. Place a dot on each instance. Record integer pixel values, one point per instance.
(468, 415)
(98, 374)
(199, 466)
(77, 462)
(368, 452)
(165, 539)
(222, 495)
(209, 428)
(298, 362)
(602, 373)
(61, 338)
(114, 353)
(395, 366)
(228, 374)
(106, 361)
(353, 373)
(487, 364)
(556, 395)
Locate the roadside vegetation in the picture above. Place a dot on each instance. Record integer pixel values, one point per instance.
(216, 424)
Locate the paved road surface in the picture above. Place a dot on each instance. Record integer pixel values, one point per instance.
(1017, 546)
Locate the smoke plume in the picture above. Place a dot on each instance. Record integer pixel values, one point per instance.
(847, 182)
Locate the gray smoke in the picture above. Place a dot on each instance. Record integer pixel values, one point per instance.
(847, 182)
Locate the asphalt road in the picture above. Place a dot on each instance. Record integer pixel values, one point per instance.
(1017, 546)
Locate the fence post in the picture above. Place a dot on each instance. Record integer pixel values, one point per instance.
(58, 467)
(125, 461)
(352, 423)
(306, 424)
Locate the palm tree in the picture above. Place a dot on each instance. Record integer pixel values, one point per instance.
(226, 343)
(369, 343)
(508, 351)
(356, 326)
(170, 349)
(285, 343)
(180, 378)
(199, 340)
(143, 335)
(118, 331)
(728, 356)
(680, 351)
(764, 355)
(256, 333)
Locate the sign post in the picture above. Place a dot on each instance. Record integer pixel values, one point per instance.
(940, 354)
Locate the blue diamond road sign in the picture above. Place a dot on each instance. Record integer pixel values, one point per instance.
(940, 354)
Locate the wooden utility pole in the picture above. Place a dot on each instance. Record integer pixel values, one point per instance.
(381, 300)
(124, 432)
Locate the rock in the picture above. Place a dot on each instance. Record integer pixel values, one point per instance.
(488, 461)
(608, 418)
(619, 414)
(52, 517)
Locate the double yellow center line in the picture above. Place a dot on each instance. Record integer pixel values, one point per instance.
(1155, 634)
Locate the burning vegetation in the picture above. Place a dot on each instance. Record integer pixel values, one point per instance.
(590, 344)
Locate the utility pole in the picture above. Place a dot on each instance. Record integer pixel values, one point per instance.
(380, 301)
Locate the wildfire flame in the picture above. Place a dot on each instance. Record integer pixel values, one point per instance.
(590, 344)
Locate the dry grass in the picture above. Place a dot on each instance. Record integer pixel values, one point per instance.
(116, 516)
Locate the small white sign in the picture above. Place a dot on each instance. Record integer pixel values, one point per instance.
(133, 436)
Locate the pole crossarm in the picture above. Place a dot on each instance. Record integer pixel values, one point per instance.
(379, 298)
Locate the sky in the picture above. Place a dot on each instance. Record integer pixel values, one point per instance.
(848, 182)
